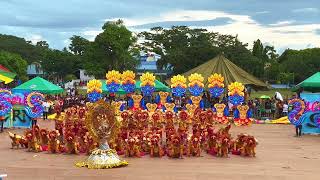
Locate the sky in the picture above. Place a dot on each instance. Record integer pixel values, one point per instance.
(284, 24)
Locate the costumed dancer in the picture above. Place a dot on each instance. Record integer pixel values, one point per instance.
(147, 87)
(101, 123)
(161, 99)
(196, 88)
(128, 84)
(113, 83)
(178, 89)
(216, 85)
(242, 115)
(236, 98)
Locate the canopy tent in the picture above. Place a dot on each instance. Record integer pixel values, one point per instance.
(311, 84)
(40, 85)
(5, 75)
(159, 86)
(228, 70)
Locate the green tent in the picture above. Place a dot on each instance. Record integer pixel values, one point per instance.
(40, 85)
(159, 86)
(312, 84)
(228, 70)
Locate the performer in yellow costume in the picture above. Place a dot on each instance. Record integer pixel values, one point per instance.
(242, 116)
(102, 125)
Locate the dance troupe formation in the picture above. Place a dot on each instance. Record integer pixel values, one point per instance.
(103, 130)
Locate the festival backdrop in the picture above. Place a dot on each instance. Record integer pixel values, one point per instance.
(311, 115)
(17, 118)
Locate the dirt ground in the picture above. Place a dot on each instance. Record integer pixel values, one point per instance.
(279, 156)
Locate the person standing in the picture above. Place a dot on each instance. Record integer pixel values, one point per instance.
(298, 130)
(285, 109)
(46, 107)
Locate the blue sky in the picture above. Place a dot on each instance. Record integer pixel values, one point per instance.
(283, 23)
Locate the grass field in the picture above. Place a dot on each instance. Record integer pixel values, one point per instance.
(286, 93)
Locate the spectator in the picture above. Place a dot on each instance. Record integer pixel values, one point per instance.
(268, 107)
(285, 109)
(273, 108)
(46, 107)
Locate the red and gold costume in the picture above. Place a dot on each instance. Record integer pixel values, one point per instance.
(133, 148)
(183, 125)
(175, 147)
(196, 100)
(194, 148)
(136, 102)
(71, 144)
(220, 116)
(32, 141)
(243, 119)
(54, 143)
(156, 149)
(163, 99)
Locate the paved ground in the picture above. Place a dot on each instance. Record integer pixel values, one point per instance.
(279, 156)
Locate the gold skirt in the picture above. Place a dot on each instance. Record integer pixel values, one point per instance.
(102, 159)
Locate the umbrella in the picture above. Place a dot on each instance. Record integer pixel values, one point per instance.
(264, 97)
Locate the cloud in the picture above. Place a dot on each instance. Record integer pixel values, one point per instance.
(282, 34)
(34, 38)
(306, 10)
(56, 21)
(283, 23)
(168, 24)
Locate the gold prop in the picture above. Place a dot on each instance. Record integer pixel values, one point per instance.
(102, 125)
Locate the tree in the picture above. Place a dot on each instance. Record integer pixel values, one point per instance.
(180, 47)
(303, 63)
(78, 45)
(14, 63)
(43, 44)
(114, 48)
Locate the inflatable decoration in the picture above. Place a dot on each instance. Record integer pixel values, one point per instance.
(94, 90)
(216, 86)
(178, 85)
(242, 116)
(18, 99)
(221, 113)
(113, 81)
(101, 123)
(34, 108)
(5, 102)
(296, 112)
(196, 84)
(236, 94)
(128, 81)
(147, 83)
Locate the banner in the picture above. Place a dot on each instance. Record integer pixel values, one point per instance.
(308, 124)
(309, 117)
(17, 118)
